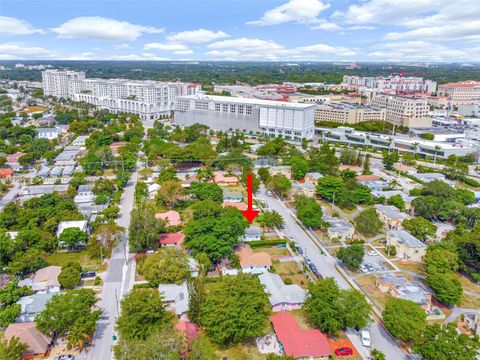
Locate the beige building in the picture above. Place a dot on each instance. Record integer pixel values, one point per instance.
(281, 170)
(466, 92)
(347, 113)
(408, 247)
(390, 216)
(406, 111)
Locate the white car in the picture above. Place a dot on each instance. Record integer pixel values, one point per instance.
(372, 253)
(269, 193)
(363, 268)
(366, 340)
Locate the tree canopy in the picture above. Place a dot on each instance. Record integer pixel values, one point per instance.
(368, 223)
(352, 256)
(166, 266)
(405, 319)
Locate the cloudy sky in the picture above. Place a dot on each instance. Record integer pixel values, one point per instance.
(271, 30)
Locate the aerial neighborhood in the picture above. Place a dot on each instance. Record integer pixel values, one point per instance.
(236, 210)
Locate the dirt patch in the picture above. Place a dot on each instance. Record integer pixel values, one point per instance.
(343, 341)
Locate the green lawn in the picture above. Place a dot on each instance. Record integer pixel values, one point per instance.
(82, 257)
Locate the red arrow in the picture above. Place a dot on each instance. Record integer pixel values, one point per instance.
(250, 214)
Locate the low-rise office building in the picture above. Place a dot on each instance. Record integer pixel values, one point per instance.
(289, 120)
(464, 92)
(406, 111)
(347, 113)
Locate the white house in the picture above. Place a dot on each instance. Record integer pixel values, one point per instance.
(49, 133)
(252, 233)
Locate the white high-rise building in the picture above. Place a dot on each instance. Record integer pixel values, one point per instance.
(275, 118)
(55, 82)
(148, 99)
(406, 111)
(409, 84)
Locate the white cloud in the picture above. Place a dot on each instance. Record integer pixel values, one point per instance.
(183, 52)
(100, 28)
(11, 26)
(122, 46)
(326, 25)
(300, 11)
(258, 49)
(197, 36)
(21, 52)
(85, 56)
(166, 47)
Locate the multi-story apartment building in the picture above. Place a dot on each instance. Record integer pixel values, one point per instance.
(289, 120)
(347, 113)
(56, 82)
(406, 111)
(466, 92)
(148, 99)
(397, 83)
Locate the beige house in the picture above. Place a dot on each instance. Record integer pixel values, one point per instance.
(391, 216)
(408, 247)
(281, 170)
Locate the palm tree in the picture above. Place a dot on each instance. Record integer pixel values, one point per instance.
(394, 183)
(437, 147)
(77, 337)
(415, 144)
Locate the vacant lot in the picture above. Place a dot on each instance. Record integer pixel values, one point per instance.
(82, 257)
(367, 283)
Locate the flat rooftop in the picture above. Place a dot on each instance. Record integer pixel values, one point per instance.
(240, 100)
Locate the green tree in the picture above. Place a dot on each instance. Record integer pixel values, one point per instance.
(447, 287)
(70, 276)
(12, 349)
(196, 297)
(299, 167)
(270, 219)
(367, 222)
(167, 265)
(352, 256)
(264, 174)
(389, 159)
(329, 186)
(331, 309)
(141, 193)
(235, 309)
(378, 355)
(205, 191)
(27, 262)
(201, 349)
(405, 319)
(420, 228)
(64, 310)
(142, 313)
(445, 343)
(161, 340)
(280, 184)
(71, 237)
(397, 201)
(169, 193)
(309, 212)
(145, 230)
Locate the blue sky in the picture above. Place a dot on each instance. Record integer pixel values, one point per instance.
(270, 30)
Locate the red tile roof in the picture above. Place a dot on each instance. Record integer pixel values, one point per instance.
(172, 238)
(297, 342)
(171, 217)
(239, 206)
(187, 329)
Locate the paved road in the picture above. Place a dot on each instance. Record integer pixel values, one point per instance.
(381, 339)
(117, 281)
(10, 195)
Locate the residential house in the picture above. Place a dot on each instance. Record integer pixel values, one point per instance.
(6, 173)
(48, 133)
(303, 188)
(32, 305)
(12, 160)
(375, 185)
(80, 140)
(391, 216)
(389, 193)
(405, 168)
(222, 180)
(371, 177)
(232, 196)
(313, 177)
(152, 190)
(38, 344)
(194, 266)
(428, 177)
(298, 343)
(282, 297)
(339, 228)
(45, 280)
(253, 262)
(399, 287)
(407, 246)
(84, 195)
(82, 225)
(281, 170)
(472, 323)
(172, 239)
(252, 233)
(175, 297)
(262, 162)
(34, 191)
(171, 218)
(116, 146)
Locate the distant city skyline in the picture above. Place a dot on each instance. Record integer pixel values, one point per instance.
(241, 30)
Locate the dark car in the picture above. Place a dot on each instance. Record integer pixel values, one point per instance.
(344, 351)
(88, 274)
(299, 250)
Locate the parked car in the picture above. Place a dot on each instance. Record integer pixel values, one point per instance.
(366, 340)
(299, 250)
(269, 193)
(64, 357)
(308, 261)
(89, 274)
(313, 267)
(344, 351)
(372, 253)
(363, 268)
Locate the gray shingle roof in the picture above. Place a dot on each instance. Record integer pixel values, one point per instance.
(281, 293)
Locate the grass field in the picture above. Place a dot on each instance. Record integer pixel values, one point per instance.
(367, 283)
(82, 257)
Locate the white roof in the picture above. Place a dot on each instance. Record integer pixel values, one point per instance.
(175, 293)
(79, 224)
(239, 100)
(281, 293)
